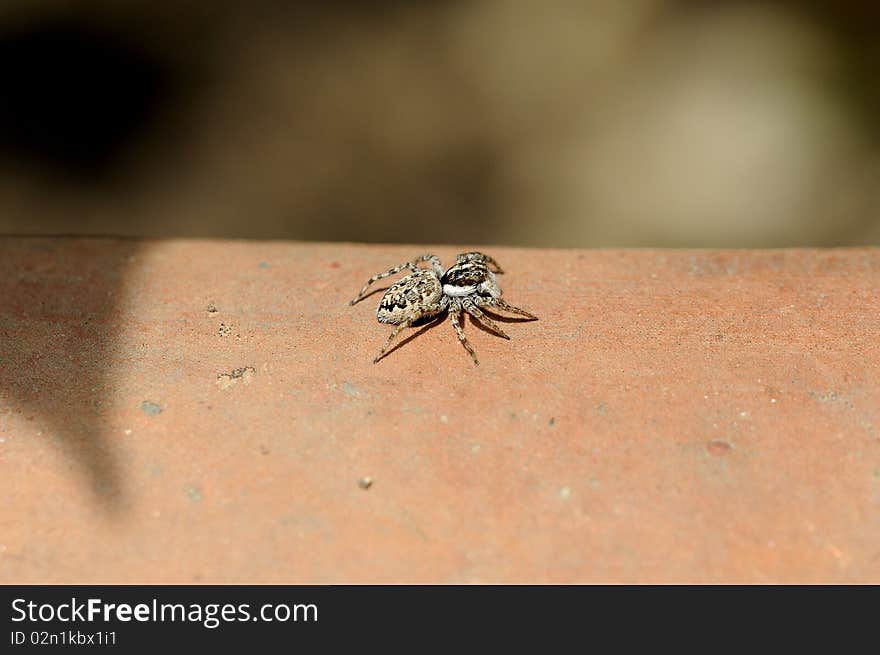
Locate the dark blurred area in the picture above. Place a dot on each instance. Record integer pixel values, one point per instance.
(557, 123)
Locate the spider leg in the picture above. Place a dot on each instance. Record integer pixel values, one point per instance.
(478, 315)
(453, 316)
(435, 264)
(489, 260)
(478, 257)
(498, 302)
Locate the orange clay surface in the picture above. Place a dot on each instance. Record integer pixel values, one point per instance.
(208, 411)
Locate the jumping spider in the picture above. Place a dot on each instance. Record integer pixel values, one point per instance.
(427, 292)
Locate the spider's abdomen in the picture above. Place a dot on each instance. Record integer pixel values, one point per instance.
(414, 296)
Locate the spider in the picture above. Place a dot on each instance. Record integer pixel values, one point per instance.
(427, 292)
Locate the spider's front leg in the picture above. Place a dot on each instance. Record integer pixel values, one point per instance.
(454, 311)
(479, 257)
(413, 266)
(490, 260)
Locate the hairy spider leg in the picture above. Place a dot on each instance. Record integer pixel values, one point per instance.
(478, 257)
(478, 315)
(498, 302)
(489, 260)
(435, 264)
(454, 310)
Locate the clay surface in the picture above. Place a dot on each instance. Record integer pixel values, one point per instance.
(208, 411)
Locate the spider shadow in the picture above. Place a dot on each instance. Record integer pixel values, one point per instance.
(429, 323)
(506, 319)
(425, 323)
(500, 318)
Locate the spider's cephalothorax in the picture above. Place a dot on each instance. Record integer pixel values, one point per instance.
(467, 285)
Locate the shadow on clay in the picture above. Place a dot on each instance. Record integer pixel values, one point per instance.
(434, 321)
(59, 321)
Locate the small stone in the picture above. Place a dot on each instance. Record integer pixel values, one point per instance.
(245, 374)
(365, 482)
(151, 408)
(719, 448)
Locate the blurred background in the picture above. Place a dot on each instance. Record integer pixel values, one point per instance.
(516, 122)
